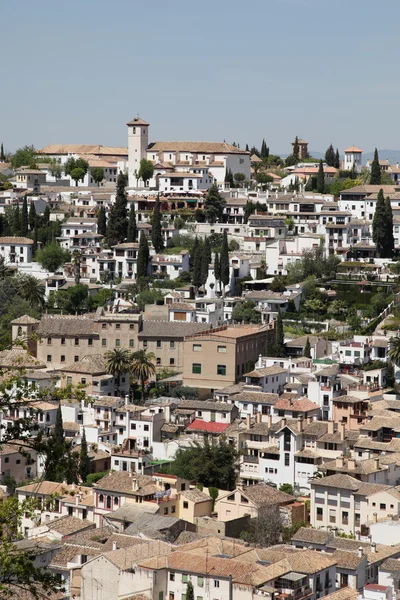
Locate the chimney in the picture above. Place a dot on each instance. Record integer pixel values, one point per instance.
(77, 499)
(368, 453)
(373, 546)
(269, 420)
(360, 552)
(300, 423)
(342, 427)
(351, 464)
(126, 399)
(374, 519)
(310, 419)
(114, 546)
(340, 461)
(283, 422)
(330, 427)
(135, 484)
(258, 417)
(248, 421)
(376, 463)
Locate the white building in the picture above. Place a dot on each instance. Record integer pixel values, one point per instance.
(170, 265)
(216, 157)
(194, 180)
(16, 250)
(352, 158)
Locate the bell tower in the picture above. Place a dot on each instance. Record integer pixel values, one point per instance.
(138, 140)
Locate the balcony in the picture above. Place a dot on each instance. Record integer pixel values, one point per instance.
(251, 459)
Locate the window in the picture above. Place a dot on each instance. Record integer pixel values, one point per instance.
(158, 344)
(171, 361)
(185, 578)
(117, 343)
(83, 379)
(200, 581)
(172, 576)
(320, 514)
(131, 343)
(70, 511)
(49, 358)
(382, 506)
(49, 341)
(196, 347)
(221, 348)
(144, 343)
(216, 583)
(146, 427)
(221, 369)
(172, 344)
(104, 342)
(76, 341)
(196, 368)
(287, 460)
(185, 504)
(173, 509)
(118, 326)
(76, 358)
(7, 460)
(104, 326)
(90, 342)
(62, 358)
(166, 510)
(69, 380)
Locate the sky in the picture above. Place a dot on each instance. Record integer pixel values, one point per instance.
(78, 71)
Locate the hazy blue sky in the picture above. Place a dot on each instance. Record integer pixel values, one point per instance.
(77, 71)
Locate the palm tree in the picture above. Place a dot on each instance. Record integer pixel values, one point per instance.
(394, 350)
(5, 270)
(143, 368)
(33, 290)
(118, 361)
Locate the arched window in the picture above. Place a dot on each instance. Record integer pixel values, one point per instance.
(101, 498)
(115, 500)
(19, 331)
(108, 501)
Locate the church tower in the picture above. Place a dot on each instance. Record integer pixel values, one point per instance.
(138, 140)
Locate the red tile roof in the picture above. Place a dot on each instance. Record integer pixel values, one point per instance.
(199, 425)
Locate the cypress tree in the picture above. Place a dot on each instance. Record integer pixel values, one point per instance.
(143, 257)
(247, 148)
(279, 349)
(224, 262)
(24, 217)
(264, 150)
(217, 268)
(307, 349)
(189, 591)
(2, 155)
(337, 159)
(198, 272)
(296, 148)
(375, 178)
(379, 224)
(207, 250)
(46, 216)
(156, 233)
(321, 179)
(101, 221)
(35, 238)
(16, 220)
(32, 216)
(330, 156)
(389, 240)
(55, 451)
(193, 252)
(132, 228)
(117, 223)
(84, 460)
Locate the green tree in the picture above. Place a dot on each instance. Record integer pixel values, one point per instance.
(2, 155)
(379, 225)
(189, 591)
(55, 168)
(279, 347)
(239, 177)
(214, 204)
(337, 159)
(330, 157)
(55, 463)
(156, 231)
(264, 153)
(390, 376)
(224, 262)
(74, 299)
(296, 149)
(389, 242)
(229, 178)
(101, 221)
(52, 256)
(143, 256)
(23, 157)
(307, 350)
(321, 178)
(264, 179)
(394, 350)
(197, 273)
(375, 178)
(132, 227)
(217, 268)
(117, 222)
(16, 220)
(153, 296)
(24, 217)
(143, 368)
(245, 312)
(33, 290)
(146, 170)
(77, 175)
(287, 488)
(118, 362)
(84, 460)
(97, 174)
(78, 163)
(32, 216)
(46, 216)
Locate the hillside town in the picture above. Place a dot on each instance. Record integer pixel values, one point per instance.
(200, 371)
